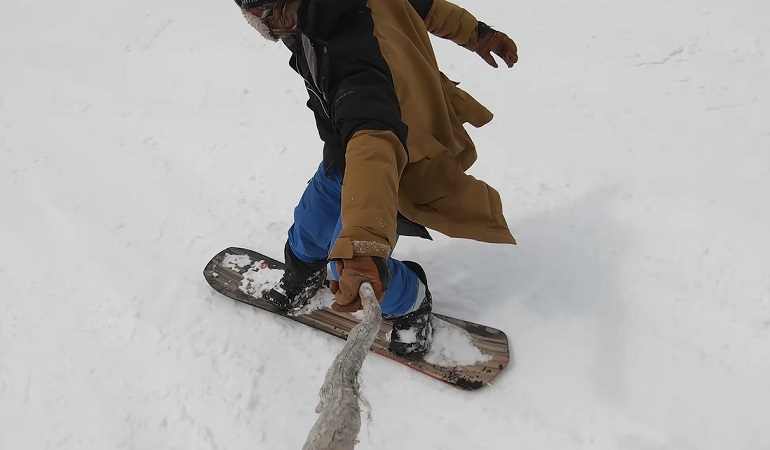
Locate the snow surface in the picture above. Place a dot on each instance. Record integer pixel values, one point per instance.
(451, 346)
(631, 145)
(238, 262)
(257, 281)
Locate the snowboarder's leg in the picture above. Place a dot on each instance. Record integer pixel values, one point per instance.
(307, 247)
(411, 313)
(316, 217)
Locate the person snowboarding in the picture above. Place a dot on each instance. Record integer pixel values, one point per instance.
(395, 150)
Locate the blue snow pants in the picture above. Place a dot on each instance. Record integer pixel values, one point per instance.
(318, 222)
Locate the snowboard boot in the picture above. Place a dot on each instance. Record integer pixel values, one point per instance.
(412, 333)
(300, 282)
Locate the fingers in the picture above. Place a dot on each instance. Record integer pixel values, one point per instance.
(352, 273)
(348, 291)
(509, 51)
(502, 46)
(506, 50)
(509, 58)
(489, 59)
(346, 297)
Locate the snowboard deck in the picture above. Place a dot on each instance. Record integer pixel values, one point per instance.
(226, 278)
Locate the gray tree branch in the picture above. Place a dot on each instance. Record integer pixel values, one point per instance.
(339, 421)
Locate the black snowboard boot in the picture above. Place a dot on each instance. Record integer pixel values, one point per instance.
(300, 282)
(412, 333)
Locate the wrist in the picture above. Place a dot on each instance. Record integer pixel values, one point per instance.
(346, 248)
(483, 30)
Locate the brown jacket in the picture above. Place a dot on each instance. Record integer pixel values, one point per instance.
(427, 183)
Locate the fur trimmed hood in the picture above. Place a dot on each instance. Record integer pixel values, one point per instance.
(258, 24)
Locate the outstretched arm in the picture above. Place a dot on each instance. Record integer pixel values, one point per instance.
(449, 21)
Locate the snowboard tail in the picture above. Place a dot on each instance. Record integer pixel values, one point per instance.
(225, 273)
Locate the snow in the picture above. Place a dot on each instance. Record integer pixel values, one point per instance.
(631, 147)
(451, 346)
(407, 336)
(257, 279)
(323, 299)
(237, 262)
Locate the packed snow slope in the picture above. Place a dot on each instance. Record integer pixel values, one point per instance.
(631, 146)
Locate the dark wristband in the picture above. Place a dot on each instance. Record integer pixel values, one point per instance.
(483, 30)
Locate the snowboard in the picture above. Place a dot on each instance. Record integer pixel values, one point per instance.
(245, 275)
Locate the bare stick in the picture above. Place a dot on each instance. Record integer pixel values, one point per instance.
(340, 416)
